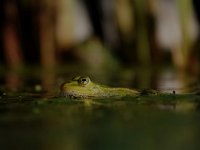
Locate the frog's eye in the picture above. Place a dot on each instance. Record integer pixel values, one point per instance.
(84, 81)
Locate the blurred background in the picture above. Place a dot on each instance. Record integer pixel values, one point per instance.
(108, 38)
(120, 43)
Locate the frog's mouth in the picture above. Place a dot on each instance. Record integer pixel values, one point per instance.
(74, 95)
(69, 95)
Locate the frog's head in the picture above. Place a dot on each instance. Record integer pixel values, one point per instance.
(79, 86)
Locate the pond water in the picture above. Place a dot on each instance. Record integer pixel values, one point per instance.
(33, 117)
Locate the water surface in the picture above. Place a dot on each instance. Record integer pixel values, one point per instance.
(33, 116)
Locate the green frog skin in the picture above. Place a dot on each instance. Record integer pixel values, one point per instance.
(83, 87)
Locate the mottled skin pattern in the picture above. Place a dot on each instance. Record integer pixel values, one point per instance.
(83, 87)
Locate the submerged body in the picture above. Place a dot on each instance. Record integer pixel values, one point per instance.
(83, 87)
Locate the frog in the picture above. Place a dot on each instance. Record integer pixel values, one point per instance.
(83, 87)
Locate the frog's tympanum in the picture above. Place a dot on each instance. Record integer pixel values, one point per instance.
(83, 87)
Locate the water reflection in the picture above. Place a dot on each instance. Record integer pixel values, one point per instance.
(33, 80)
(13, 81)
(49, 80)
(146, 122)
(170, 80)
(101, 124)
